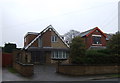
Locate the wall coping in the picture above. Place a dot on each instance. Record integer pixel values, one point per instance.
(6, 53)
(89, 64)
(24, 64)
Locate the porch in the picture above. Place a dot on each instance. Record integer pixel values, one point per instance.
(46, 54)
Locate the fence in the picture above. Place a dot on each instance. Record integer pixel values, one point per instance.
(7, 59)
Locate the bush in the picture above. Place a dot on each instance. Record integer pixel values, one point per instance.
(114, 44)
(97, 57)
(94, 53)
(77, 48)
(104, 51)
(8, 48)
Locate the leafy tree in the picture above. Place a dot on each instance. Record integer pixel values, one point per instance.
(77, 48)
(8, 48)
(114, 44)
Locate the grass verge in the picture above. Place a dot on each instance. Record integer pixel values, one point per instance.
(12, 70)
(114, 75)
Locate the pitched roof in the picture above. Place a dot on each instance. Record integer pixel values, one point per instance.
(88, 32)
(109, 36)
(39, 34)
(33, 33)
(82, 34)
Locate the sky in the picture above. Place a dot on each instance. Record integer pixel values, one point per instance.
(17, 17)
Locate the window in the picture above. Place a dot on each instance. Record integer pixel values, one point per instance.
(25, 39)
(96, 40)
(54, 38)
(39, 42)
(59, 55)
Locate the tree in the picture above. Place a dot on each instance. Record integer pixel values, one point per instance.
(70, 35)
(114, 44)
(8, 48)
(77, 48)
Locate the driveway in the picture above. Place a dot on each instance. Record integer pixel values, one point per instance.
(45, 73)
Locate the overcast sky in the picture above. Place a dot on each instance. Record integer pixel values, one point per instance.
(21, 16)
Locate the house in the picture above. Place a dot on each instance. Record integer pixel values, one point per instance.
(94, 38)
(46, 46)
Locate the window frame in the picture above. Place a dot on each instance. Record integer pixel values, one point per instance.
(97, 40)
(25, 39)
(59, 55)
(54, 38)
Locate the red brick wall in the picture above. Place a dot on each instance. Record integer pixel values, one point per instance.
(46, 39)
(7, 59)
(89, 41)
(29, 38)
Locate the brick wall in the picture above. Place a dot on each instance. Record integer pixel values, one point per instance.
(46, 39)
(29, 38)
(24, 69)
(21, 67)
(59, 43)
(88, 70)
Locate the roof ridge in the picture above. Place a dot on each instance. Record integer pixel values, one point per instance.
(88, 30)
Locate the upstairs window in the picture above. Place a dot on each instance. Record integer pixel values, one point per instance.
(54, 38)
(96, 40)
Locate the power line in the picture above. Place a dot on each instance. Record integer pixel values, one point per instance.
(78, 11)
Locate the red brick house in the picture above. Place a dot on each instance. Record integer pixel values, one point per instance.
(94, 38)
(45, 46)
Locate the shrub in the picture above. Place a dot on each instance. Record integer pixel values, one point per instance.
(104, 51)
(8, 48)
(97, 57)
(114, 44)
(77, 48)
(93, 53)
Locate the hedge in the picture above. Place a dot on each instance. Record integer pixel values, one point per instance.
(97, 57)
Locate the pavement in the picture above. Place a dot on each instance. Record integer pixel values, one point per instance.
(48, 73)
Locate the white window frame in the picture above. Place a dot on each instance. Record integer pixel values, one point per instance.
(62, 54)
(59, 54)
(53, 38)
(65, 55)
(97, 36)
(25, 39)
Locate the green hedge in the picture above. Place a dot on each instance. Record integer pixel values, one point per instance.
(97, 57)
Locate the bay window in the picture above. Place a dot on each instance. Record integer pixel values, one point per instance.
(59, 55)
